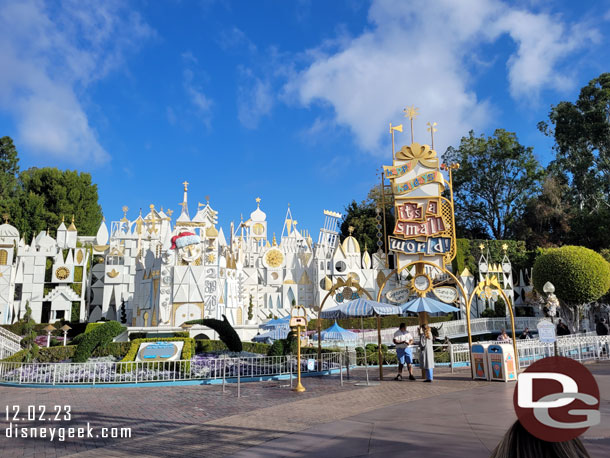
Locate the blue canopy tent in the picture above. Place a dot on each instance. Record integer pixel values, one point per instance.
(277, 323)
(427, 304)
(274, 334)
(336, 332)
(360, 308)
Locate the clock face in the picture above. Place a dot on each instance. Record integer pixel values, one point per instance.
(483, 267)
(274, 258)
(62, 273)
(258, 229)
(190, 253)
(421, 282)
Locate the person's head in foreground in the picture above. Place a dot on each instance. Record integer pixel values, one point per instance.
(519, 443)
(402, 326)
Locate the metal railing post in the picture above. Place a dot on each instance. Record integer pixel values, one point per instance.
(224, 368)
(451, 356)
(238, 377)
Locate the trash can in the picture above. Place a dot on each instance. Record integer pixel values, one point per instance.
(479, 361)
(501, 358)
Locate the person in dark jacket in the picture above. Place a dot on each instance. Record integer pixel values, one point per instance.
(602, 328)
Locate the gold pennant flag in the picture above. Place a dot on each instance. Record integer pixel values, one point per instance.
(398, 127)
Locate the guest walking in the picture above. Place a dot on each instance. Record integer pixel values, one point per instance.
(426, 351)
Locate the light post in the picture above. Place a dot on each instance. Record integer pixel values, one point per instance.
(49, 328)
(65, 328)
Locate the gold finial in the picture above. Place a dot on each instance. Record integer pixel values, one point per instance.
(63, 219)
(274, 240)
(432, 128)
(207, 199)
(258, 202)
(200, 204)
(72, 218)
(186, 183)
(169, 212)
(504, 247)
(351, 230)
(125, 209)
(411, 113)
(152, 207)
(481, 247)
(5, 216)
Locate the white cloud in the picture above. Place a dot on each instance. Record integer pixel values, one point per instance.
(423, 53)
(254, 100)
(50, 54)
(202, 102)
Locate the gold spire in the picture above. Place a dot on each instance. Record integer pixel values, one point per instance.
(411, 113)
(125, 209)
(169, 212)
(351, 230)
(72, 227)
(258, 202)
(274, 240)
(186, 183)
(5, 216)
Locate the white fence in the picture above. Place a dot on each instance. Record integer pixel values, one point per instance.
(9, 343)
(93, 373)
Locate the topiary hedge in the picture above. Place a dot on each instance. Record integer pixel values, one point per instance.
(100, 336)
(580, 275)
(225, 331)
(209, 346)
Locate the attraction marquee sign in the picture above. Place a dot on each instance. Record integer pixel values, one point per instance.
(425, 228)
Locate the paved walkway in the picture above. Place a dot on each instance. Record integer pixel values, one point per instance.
(454, 413)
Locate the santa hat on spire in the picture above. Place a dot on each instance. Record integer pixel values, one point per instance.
(183, 239)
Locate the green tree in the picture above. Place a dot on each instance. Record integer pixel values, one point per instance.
(497, 175)
(580, 276)
(250, 309)
(547, 216)
(48, 194)
(9, 170)
(29, 335)
(363, 218)
(582, 144)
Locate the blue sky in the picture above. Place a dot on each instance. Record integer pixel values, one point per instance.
(286, 100)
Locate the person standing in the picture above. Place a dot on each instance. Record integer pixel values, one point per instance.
(426, 349)
(526, 334)
(504, 337)
(402, 340)
(601, 329)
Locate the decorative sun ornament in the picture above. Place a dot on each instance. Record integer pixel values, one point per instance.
(62, 273)
(274, 258)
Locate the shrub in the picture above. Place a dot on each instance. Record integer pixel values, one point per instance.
(277, 348)
(100, 336)
(580, 275)
(137, 335)
(225, 331)
(91, 326)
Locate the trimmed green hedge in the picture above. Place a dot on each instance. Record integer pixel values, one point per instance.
(100, 336)
(225, 331)
(210, 346)
(371, 323)
(91, 326)
(580, 275)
